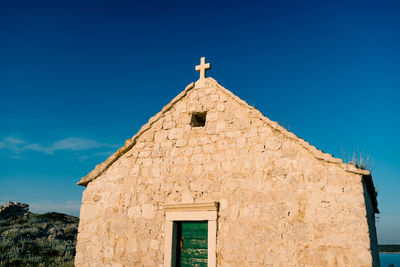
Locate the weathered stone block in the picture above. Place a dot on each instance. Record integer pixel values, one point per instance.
(175, 133)
(160, 136)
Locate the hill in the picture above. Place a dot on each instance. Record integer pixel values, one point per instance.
(389, 248)
(28, 239)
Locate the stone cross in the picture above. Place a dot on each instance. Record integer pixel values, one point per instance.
(202, 68)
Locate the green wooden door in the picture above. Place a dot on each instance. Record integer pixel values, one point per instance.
(192, 238)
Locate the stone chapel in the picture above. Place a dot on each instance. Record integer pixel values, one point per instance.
(210, 181)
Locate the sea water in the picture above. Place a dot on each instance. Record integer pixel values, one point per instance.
(389, 258)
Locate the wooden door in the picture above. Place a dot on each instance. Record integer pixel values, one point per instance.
(192, 243)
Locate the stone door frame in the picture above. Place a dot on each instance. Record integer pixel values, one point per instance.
(205, 211)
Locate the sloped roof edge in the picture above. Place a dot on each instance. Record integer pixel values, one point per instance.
(314, 151)
(100, 168)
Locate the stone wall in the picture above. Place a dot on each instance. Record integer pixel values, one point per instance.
(280, 205)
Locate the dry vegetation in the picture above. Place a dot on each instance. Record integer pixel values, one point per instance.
(38, 240)
(358, 159)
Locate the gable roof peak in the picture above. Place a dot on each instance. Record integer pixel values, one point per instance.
(204, 83)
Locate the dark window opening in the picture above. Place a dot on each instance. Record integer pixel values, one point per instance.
(198, 119)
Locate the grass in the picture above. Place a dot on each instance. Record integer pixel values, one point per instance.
(38, 240)
(359, 159)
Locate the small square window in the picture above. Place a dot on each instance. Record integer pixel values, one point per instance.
(198, 119)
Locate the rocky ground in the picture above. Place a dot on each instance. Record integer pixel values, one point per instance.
(28, 239)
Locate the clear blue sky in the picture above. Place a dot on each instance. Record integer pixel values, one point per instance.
(78, 78)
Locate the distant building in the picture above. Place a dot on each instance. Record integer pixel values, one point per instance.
(210, 181)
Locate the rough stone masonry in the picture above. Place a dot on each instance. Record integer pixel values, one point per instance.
(282, 202)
